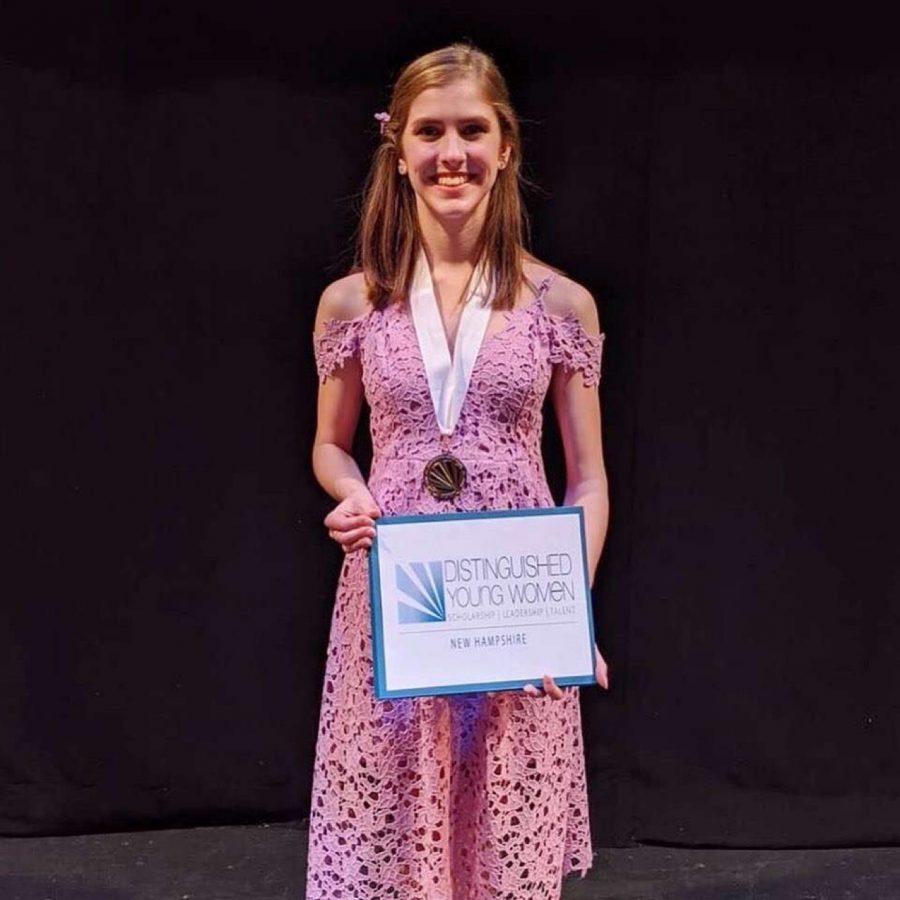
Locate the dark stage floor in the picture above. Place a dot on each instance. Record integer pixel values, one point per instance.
(267, 862)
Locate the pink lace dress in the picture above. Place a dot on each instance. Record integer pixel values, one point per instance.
(462, 797)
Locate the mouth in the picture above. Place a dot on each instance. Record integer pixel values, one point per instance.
(452, 180)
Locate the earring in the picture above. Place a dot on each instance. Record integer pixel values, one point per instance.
(401, 168)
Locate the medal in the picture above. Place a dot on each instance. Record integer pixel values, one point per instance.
(444, 476)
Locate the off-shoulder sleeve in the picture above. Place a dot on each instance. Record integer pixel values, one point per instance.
(336, 343)
(574, 349)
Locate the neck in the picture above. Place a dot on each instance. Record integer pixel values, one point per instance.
(451, 243)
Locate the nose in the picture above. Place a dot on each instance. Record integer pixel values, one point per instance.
(453, 151)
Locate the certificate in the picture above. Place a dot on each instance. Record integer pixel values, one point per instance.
(482, 601)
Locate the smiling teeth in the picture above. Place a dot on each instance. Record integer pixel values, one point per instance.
(452, 180)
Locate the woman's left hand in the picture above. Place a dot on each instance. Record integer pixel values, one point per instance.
(552, 690)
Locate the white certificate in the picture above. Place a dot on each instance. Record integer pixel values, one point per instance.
(484, 601)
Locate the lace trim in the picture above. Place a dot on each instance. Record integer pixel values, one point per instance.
(337, 342)
(571, 346)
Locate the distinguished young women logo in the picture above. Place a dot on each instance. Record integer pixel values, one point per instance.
(470, 589)
(424, 588)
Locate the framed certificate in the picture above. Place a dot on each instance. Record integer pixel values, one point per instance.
(482, 601)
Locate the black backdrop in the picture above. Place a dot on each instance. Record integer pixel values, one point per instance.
(176, 188)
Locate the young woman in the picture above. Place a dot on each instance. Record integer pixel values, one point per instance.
(470, 796)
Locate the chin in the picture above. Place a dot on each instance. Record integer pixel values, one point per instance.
(454, 210)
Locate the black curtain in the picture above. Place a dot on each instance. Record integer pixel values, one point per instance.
(176, 188)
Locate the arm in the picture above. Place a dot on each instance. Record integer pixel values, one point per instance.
(577, 408)
(338, 408)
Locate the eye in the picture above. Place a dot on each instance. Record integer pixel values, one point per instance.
(428, 131)
(474, 130)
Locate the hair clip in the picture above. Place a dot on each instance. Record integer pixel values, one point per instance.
(383, 119)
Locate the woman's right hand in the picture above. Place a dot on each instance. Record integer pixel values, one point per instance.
(352, 522)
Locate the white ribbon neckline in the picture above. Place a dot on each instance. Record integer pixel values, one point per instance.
(448, 378)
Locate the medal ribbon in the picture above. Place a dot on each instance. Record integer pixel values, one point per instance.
(448, 379)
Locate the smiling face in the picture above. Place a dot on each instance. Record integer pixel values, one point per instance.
(452, 150)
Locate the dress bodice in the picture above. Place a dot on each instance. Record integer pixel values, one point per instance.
(499, 429)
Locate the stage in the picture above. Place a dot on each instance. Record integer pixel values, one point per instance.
(268, 862)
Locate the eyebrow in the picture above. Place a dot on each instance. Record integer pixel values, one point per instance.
(426, 120)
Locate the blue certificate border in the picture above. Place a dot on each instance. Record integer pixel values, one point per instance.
(381, 691)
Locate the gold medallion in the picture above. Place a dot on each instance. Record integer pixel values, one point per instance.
(445, 476)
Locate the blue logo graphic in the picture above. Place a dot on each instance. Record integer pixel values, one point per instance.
(423, 585)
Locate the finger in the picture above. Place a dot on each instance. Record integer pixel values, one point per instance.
(552, 689)
(603, 676)
(342, 520)
(532, 691)
(355, 548)
(602, 672)
(363, 544)
(351, 537)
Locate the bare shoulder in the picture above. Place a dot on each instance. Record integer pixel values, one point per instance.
(344, 298)
(566, 297)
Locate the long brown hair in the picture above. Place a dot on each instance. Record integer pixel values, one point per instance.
(388, 239)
